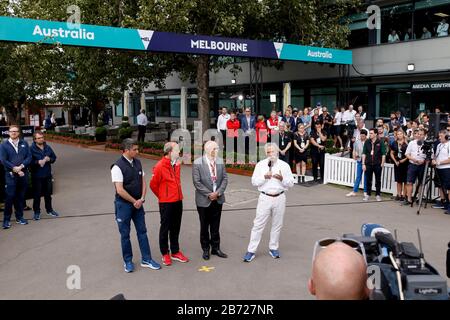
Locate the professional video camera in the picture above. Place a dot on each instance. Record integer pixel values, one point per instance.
(403, 273)
(427, 147)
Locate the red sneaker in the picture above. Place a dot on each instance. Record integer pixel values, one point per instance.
(166, 260)
(179, 256)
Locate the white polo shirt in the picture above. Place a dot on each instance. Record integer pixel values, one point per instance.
(116, 173)
(415, 152)
(273, 185)
(442, 154)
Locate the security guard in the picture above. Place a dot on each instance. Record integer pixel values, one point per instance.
(129, 181)
(16, 157)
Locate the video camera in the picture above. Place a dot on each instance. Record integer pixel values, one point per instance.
(400, 271)
(426, 147)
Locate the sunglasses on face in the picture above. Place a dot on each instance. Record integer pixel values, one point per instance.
(323, 243)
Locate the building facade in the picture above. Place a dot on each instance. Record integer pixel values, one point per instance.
(411, 75)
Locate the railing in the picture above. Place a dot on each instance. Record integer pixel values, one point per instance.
(342, 171)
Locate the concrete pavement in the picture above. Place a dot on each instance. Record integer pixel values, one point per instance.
(34, 258)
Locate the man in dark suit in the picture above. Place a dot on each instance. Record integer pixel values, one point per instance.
(210, 181)
(248, 123)
(16, 158)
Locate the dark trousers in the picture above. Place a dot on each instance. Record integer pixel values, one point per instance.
(141, 133)
(370, 170)
(125, 212)
(42, 187)
(170, 226)
(209, 225)
(15, 190)
(224, 139)
(318, 159)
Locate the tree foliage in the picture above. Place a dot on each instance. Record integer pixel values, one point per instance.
(88, 75)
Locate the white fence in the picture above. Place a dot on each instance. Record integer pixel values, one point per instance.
(342, 171)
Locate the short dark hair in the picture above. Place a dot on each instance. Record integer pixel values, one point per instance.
(128, 143)
(374, 130)
(363, 131)
(38, 132)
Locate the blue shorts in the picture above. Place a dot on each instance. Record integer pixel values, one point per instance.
(414, 172)
(444, 177)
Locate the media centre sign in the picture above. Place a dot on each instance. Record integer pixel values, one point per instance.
(53, 32)
(431, 86)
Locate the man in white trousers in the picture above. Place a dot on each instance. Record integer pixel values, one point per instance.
(273, 177)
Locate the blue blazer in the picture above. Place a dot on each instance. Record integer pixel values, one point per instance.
(291, 123)
(244, 124)
(10, 158)
(38, 154)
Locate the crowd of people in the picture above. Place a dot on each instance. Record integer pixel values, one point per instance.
(441, 31)
(300, 134)
(19, 161)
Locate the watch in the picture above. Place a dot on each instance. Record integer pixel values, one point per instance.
(143, 200)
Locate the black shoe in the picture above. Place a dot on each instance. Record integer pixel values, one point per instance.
(206, 255)
(303, 179)
(219, 253)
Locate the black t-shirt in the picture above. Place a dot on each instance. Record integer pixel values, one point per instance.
(317, 138)
(399, 153)
(325, 119)
(301, 140)
(284, 140)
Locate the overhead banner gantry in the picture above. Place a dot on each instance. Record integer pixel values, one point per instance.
(51, 32)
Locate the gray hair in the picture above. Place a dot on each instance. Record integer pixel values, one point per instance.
(209, 145)
(168, 147)
(127, 144)
(271, 145)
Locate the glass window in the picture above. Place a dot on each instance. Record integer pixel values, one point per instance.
(119, 109)
(326, 97)
(175, 106)
(266, 105)
(392, 98)
(163, 106)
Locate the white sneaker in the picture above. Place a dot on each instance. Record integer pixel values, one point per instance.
(350, 194)
(366, 198)
(379, 198)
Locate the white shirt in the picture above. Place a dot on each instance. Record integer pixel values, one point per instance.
(273, 185)
(142, 120)
(222, 121)
(415, 151)
(116, 173)
(442, 30)
(363, 115)
(338, 118)
(16, 146)
(392, 38)
(442, 154)
(348, 116)
(211, 171)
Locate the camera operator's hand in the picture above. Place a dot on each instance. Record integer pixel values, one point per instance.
(434, 162)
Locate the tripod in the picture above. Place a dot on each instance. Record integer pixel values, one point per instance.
(426, 184)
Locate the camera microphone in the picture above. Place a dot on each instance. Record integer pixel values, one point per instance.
(270, 165)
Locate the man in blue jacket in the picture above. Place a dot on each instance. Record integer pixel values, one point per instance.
(16, 157)
(248, 122)
(41, 175)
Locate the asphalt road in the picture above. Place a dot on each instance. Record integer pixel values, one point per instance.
(34, 259)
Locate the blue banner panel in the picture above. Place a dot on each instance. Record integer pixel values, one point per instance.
(42, 31)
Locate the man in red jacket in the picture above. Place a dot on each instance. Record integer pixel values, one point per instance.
(166, 185)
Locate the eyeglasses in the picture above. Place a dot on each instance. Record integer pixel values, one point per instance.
(11, 131)
(323, 243)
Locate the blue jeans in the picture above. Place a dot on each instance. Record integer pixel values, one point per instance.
(359, 175)
(125, 212)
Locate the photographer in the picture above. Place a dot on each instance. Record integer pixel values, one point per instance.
(416, 166)
(442, 163)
